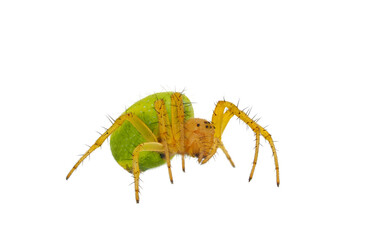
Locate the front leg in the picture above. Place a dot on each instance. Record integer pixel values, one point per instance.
(220, 120)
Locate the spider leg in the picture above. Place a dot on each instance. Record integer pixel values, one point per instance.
(164, 132)
(177, 120)
(220, 120)
(221, 146)
(147, 146)
(256, 154)
(137, 123)
(217, 144)
(223, 121)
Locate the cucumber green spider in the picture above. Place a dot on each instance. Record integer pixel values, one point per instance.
(157, 127)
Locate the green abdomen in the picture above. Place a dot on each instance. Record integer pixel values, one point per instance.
(124, 140)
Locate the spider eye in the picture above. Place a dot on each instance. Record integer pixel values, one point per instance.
(198, 125)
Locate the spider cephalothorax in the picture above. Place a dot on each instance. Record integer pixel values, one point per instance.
(154, 129)
(199, 137)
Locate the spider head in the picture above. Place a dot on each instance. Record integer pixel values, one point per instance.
(199, 137)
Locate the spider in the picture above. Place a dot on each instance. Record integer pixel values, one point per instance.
(157, 127)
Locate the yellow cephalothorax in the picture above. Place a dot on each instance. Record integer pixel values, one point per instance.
(154, 129)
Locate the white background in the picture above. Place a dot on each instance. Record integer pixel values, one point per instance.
(310, 69)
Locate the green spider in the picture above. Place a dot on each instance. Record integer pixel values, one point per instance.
(154, 129)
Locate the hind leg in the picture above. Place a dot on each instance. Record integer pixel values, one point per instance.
(137, 123)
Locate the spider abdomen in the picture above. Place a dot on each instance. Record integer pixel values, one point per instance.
(126, 138)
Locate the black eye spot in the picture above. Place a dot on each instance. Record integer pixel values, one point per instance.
(198, 125)
(206, 126)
